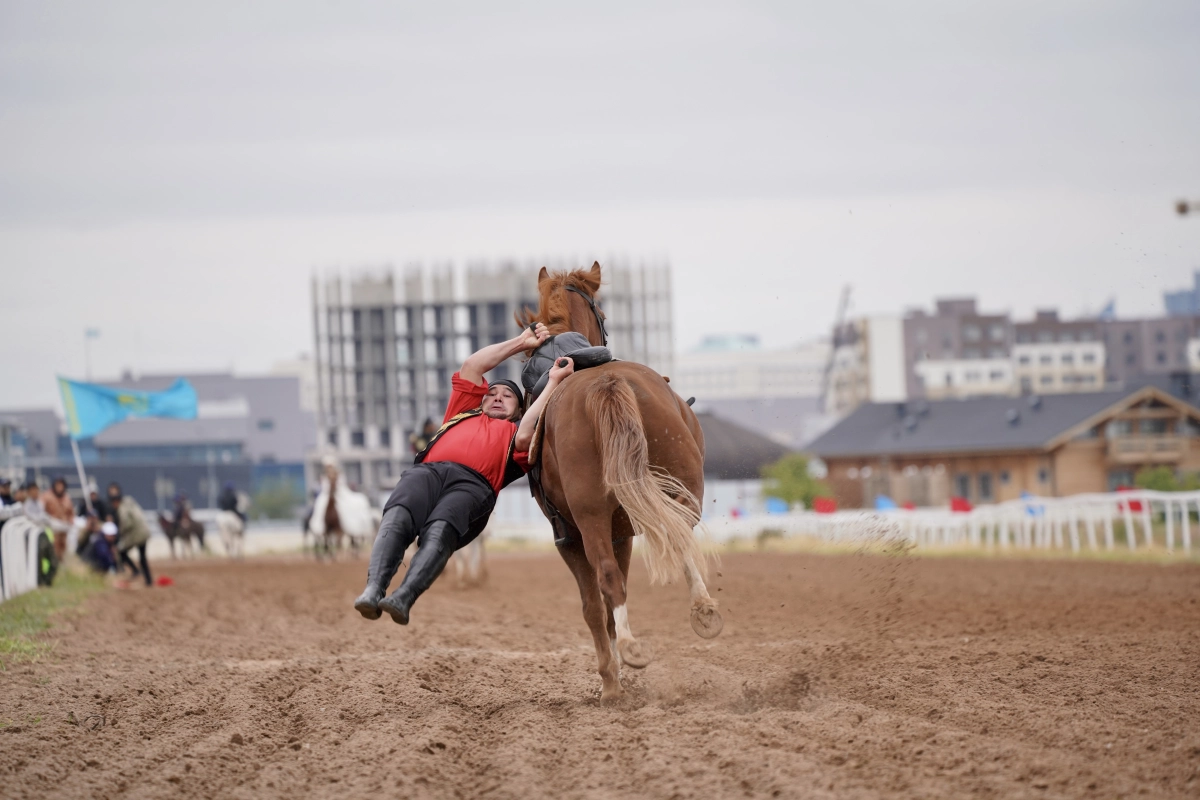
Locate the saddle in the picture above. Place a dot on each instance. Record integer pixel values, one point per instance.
(536, 372)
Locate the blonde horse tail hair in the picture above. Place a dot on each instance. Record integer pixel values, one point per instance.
(659, 506)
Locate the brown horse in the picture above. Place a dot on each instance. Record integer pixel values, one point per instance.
(620, 454)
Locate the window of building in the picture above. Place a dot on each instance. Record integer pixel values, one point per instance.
(1160, 357)
(971, 333)
(1118, 427)
(997, 375)
(1128, 337)
(1159, 336)
(1023, 360)
(1130, 358)
(1023, 337)
(1066, 336)
(496, 315)
(1086, 335)
(266, 424)
(356, 438)
(1046, 359)
(357, 317)
(985, 487)
(1089, 358)
(996, 333)
(962, 485)
(1088, 379)
(402, 351)
(1004, 477)
(401, 321)
(1046, 380)
(1043, 475)
(1045, 336)
(1154, 427)
(971, 353)
(921, 336)
(996, 352)
(1068, 358)
(376, 321)
(385, 437)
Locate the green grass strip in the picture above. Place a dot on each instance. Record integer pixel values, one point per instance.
(24, 619)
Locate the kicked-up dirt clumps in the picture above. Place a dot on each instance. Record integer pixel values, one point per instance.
(868, 675)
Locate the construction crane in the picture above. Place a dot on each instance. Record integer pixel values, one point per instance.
(838, 321)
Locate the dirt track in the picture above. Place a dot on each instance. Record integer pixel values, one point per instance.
(839, 676)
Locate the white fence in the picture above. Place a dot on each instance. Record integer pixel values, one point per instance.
(18, 557)
(1079, 522)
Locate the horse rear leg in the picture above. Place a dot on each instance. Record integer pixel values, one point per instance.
(706, 620)
(595, 614)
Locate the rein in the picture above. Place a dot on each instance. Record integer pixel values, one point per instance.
(595, 312)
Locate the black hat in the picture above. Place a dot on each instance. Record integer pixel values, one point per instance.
(5, 482)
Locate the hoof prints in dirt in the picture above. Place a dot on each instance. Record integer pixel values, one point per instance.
(877, 677)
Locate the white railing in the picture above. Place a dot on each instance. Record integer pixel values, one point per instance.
(1079, 522)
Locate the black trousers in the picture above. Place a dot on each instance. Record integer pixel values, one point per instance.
(145, 570)
(445, 491)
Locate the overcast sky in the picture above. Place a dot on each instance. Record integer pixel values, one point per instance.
(172, 174)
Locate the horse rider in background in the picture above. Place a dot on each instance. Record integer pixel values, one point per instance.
(446, 498)
(228, 501)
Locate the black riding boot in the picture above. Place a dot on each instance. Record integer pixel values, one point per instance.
(438, 542)
(395, 535)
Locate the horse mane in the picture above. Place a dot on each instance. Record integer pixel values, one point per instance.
(554, 308)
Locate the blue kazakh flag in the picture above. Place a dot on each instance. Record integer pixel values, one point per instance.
(91, 408)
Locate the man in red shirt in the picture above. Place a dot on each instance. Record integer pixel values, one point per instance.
(449, 493)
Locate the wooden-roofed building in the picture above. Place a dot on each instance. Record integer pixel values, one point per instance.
(990, 449)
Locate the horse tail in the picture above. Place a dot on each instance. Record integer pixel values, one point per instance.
(658, 505)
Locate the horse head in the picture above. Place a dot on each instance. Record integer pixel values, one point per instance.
(567, 302)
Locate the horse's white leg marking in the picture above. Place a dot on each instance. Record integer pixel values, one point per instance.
(631, 652)
(706, 620)
(621, 616)
(695, 582)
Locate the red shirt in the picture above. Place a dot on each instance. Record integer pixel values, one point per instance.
(480, 443)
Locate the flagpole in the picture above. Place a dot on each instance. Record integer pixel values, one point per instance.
(87, 497)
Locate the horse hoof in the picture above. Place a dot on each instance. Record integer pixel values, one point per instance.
(635, 653)
(707, 622)
(614, 695)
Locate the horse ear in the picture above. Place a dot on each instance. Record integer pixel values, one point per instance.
(543, 275)
(593, 277)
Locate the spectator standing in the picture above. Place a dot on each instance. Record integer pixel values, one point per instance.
(132, 530)
(6, 498)
(58, 506)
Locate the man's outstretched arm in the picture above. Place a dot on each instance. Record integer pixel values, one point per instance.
(529, 421)
(488, 358)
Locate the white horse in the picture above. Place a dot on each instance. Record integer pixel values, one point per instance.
(232, 530)
(348, 512)
(470, 566)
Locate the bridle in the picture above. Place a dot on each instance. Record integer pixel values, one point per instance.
(595, 311)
